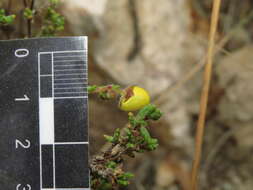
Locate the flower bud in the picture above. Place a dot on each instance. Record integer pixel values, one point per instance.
(133, 98)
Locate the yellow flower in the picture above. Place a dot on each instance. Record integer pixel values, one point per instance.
(134, 98)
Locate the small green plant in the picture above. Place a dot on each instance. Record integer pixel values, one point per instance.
(6, 19)
(51, 21)
(107, 168)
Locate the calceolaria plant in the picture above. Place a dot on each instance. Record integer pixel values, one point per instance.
(107, 168)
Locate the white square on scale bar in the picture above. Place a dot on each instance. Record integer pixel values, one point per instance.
(46, 112)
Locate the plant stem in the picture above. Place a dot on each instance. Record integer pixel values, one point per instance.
(9, 7)
(32, 4)
(204, 95)
(29, 22)
(25, 3)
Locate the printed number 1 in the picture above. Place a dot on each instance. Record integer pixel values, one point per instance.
(23, 145)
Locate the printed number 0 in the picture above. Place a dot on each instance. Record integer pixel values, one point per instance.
(21, 53)
(26, 187)
(19, 143)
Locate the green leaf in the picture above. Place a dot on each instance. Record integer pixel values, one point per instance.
(128, 132)
(111, 164)
(157, 114)
(92, 88)
(148, 112)
(128, 175)
(123, 182)
(114, 138)
(145, 112)
(109, 138)
(130, 145)
(116, 135)
(2, 12)
(152, 143)
(53, 22)
(6, 20)
(28, 14)
(124, 178)
(145, 134)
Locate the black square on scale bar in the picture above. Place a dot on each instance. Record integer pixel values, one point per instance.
(71, 166)
(47, 166)
(71, 120)
(45, 64)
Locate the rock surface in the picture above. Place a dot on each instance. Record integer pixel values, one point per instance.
(235, 74)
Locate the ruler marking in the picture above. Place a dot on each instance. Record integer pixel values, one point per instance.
(67, 143)
(70, 74)
(39, 122)
(69, 83)
(70, 97)
(83, 56)
(59, 70)
(72, 51)
(72, 189)
(70, 87)
(66, 189)
(70, 65)
(62, 61)
(52, 62)
(54, 126)
(69, 92)
(71, 79)
(45, 75)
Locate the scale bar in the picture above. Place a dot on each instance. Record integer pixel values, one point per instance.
(58, 137)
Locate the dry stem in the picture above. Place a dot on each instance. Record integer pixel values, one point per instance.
(204, 95)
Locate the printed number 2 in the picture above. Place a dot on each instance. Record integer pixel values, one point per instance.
(25, 187)
(23, 145)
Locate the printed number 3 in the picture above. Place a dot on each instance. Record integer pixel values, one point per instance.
(26, 187)
(23, 145)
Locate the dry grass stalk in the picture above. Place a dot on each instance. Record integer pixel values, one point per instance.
(204, 95)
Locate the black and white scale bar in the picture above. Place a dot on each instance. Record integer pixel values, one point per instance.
(64, 135)
(43, 107)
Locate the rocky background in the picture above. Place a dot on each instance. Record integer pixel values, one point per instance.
(161, 45)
